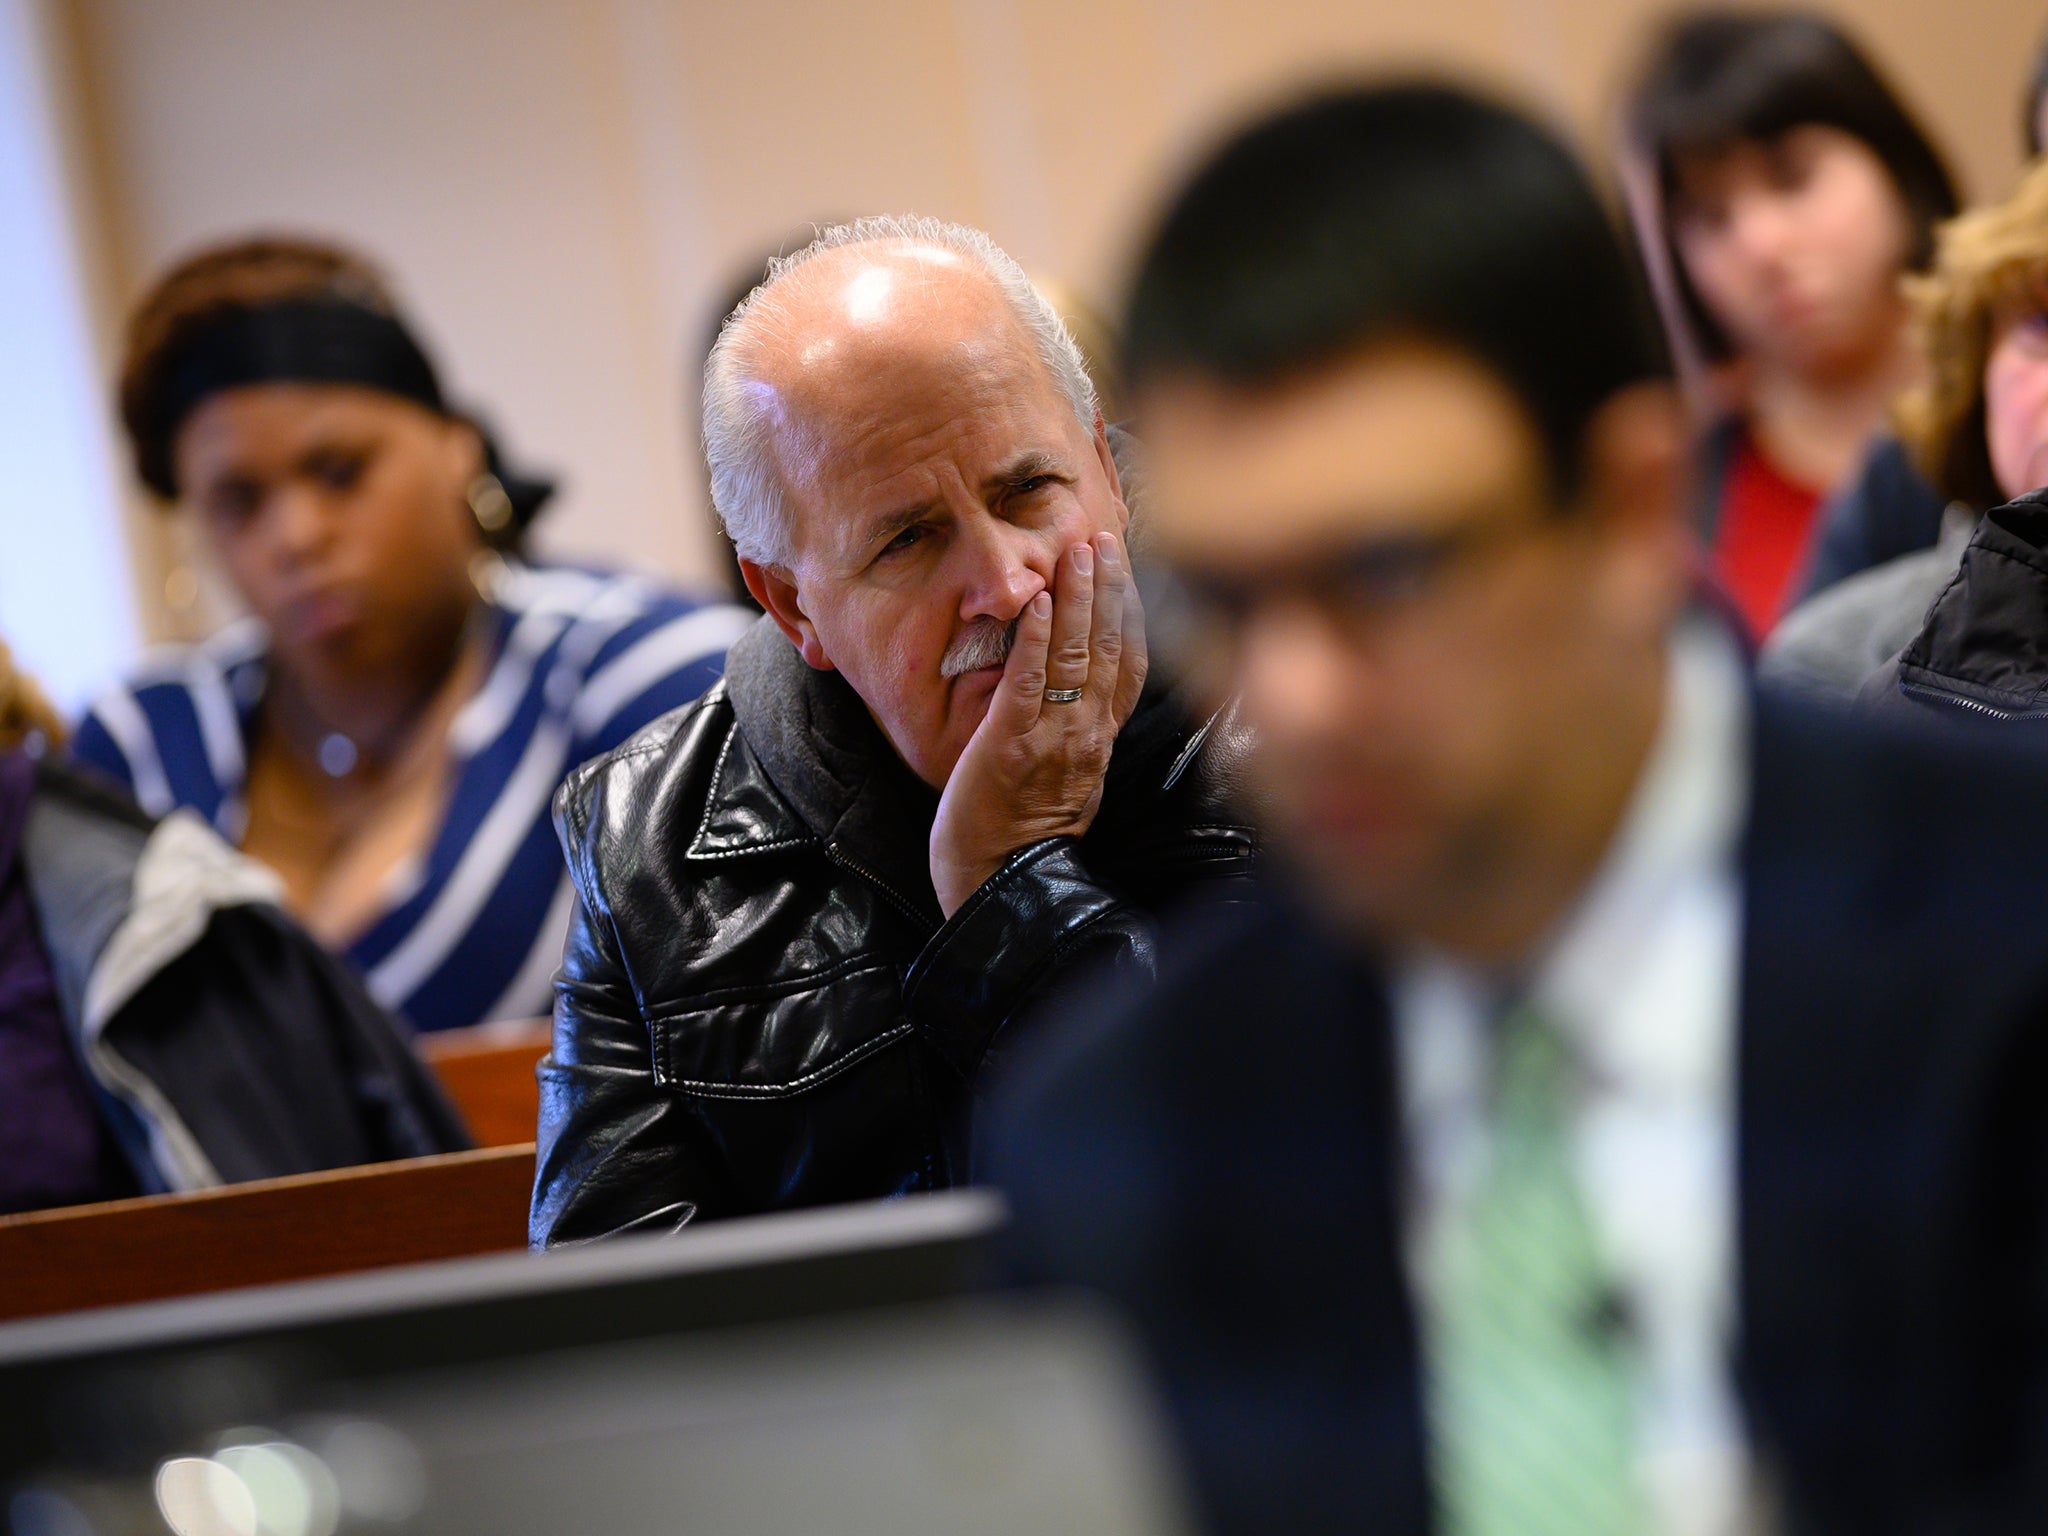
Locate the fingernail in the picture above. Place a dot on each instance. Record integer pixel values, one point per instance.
(1105, 545)
(1041, 606)
(1084, 559)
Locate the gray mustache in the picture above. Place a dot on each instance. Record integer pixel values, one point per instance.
(985, 643)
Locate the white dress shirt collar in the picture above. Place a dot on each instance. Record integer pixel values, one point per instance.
(1642, 980)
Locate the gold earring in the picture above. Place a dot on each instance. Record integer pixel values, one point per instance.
(489, 504)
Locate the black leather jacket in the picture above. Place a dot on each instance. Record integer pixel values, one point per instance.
(1983, 652)
(761, 1006)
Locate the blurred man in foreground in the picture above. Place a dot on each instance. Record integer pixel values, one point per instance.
(1621, 1035)
(931, 790)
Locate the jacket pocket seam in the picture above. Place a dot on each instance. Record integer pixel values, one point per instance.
(661, 1028)
(720, 997)
(701, 1089)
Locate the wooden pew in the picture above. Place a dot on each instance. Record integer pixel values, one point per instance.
(272, 1229)
(488, 1071)
(310, 1224)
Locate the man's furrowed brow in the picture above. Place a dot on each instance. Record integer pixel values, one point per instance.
(886, 525)
(1029, 466)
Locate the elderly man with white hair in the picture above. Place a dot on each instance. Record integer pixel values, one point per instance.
(933, 791)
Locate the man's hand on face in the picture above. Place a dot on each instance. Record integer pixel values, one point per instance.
(1033, 769)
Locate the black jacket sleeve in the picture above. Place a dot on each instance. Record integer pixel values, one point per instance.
(1032, 929)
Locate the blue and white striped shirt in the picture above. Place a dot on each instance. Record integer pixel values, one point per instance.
(472, 929)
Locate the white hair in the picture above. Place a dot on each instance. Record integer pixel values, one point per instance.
(746, 488)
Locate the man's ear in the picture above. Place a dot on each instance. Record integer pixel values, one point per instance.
(1636, 459)
(1116, 481)
(1636, 449)
(775, 592)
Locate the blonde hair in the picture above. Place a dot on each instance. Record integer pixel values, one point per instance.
(26, 715)
(1985, 262)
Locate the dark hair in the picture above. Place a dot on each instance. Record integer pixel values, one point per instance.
(205, 317)
(1400, 210)
(1715, 79)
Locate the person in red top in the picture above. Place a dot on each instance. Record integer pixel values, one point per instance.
(1790, 191)
(1765, 526)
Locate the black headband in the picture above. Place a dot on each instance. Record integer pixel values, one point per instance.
(302, 341)
(305, 341)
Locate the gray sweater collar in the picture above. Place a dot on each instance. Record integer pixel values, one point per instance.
(829, 760)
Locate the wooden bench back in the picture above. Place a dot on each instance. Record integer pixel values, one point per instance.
(488, 1072)
(294, 1228)
(313, 1224)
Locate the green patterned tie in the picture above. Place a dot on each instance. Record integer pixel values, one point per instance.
(1530, 1402)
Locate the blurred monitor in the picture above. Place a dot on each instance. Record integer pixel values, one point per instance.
(837, 1370)
(987, 1415)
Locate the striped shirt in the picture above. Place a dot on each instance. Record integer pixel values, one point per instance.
(471, 928)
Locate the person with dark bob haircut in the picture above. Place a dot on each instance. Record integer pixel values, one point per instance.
(1569, 1128)
(1792, 190)
(387, 728)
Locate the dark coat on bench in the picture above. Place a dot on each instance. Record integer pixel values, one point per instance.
(223, 1043)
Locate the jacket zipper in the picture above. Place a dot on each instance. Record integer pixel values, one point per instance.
(1958, 701)
(902, 903)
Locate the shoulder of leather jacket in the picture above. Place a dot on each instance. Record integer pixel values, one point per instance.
(730, 954)
(685, 786)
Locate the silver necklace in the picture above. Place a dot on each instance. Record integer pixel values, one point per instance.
(337, 752)
(337, 755)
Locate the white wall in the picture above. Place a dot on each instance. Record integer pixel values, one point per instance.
(65, 605)
(480, 151)
(563, 187)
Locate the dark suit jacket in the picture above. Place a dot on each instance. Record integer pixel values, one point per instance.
(1222, 1157)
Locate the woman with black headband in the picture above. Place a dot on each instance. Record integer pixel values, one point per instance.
(387, 729)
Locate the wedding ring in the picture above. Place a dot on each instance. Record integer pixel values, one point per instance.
(1062, 695)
